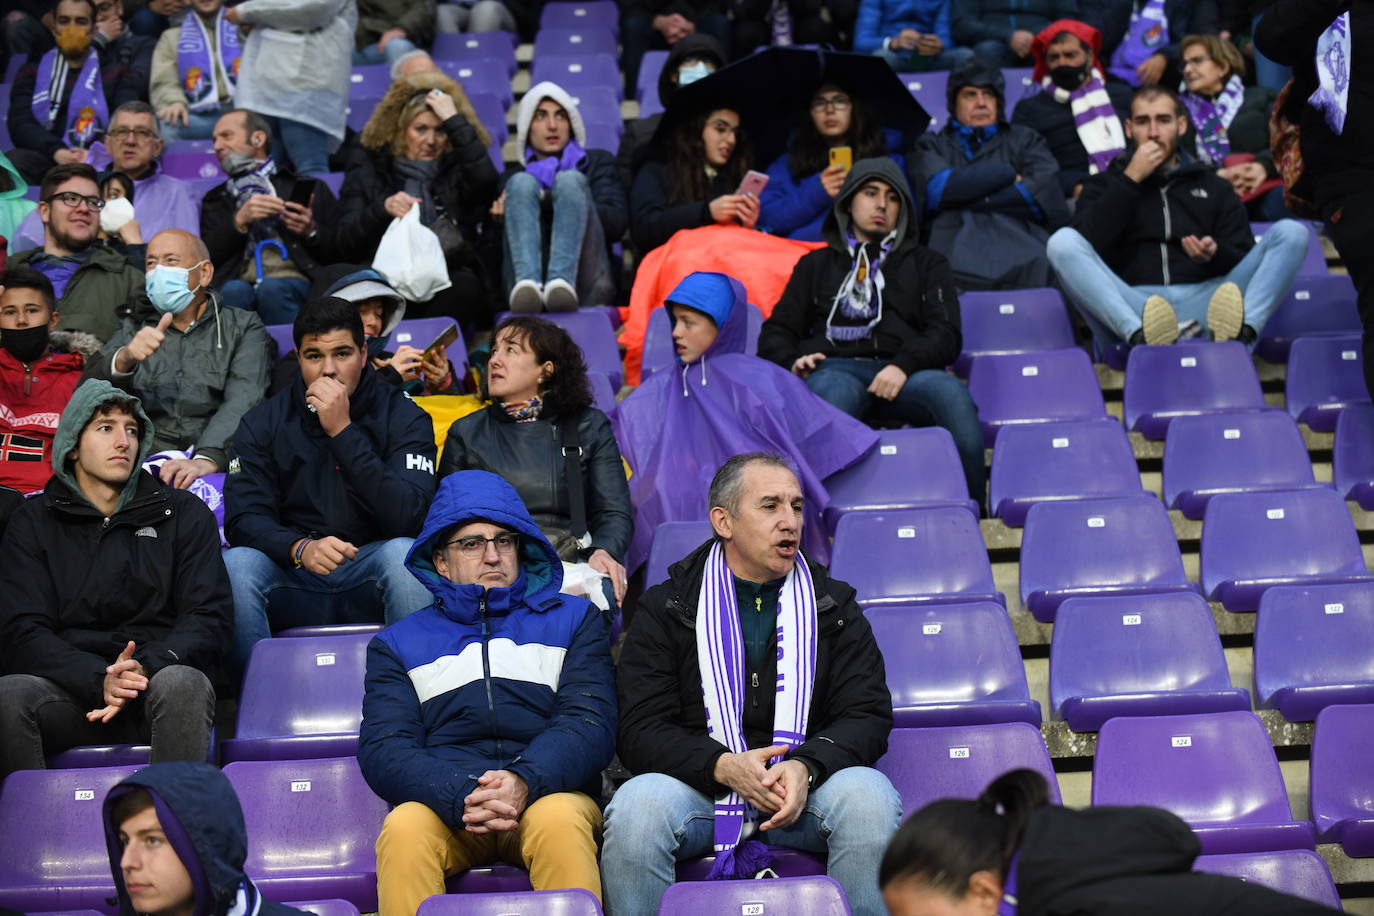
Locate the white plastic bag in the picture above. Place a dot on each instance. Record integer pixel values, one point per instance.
(411, 258)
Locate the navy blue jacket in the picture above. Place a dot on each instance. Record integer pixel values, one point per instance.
(288, 480)
(516, 678)
(879, 20)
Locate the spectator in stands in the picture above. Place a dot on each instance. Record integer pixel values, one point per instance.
(196, 378)
(871, 320)
(177, 844)
(195, 72)
(679, 424)
(254, 214)
(1160, 238)
(124, 54)
(1140, 38)
(794, 757)
(692, 179)
(989, 187)
(912, 35)
(425, 147)
(646, 25)
(116, 601)
(1000, 32)
(488, 16)
(1077, 111)
(413, 62)
(759, 23)
(565, 192)
(118, 225)
(803, 183)
(388, 29)
(969, 856)
(477, 780)
(328, 482)
(95, 285)
(542, 409)
(39, 370)
(694, 57)
(13, 205)
(287, 40)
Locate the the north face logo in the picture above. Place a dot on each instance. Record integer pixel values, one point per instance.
(145, 533)
(1199, 192)
(419, 463)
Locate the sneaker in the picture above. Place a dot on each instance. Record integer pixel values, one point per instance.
(560, 296)
(526, 297)
(1226, 312)
(1159, 324)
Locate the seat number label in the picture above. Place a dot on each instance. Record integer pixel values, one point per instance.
(751, 909)
(1181, 741)
(1336, 608)
(1097, 521)
(324, 658)
(906, 532)
(1059, 442)
(958, 753)
(1006, 308)
(1230, 434)
(85, 794)
(887, 450)
(931, 629)
(1274, 513)
(1130, 620)
(1349, 354)
(1030, 370)
(300, 785)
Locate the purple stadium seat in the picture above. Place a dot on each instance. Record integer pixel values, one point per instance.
(914, 556)
(1167, 382)
(603, 14)
(360, 110)
(1207, 454)
(192, 165)
(330, 629)
(1341, 783)
(603, 134)
(672, 541)
(1314, 306)
(1020, 388)
(658, 339)
(326, 907)
(1050, 462)
(369, 81)
(484, 75)
(786, 863)
(818, 895)
(588, 327)
(52, 842)
(1352, 462)
(1217, 771)
(421, 332)
(929, 89)
(599, 103)
(1098, 547)
(284, 336)
(1314, 647)
(603, 392)
(1015, 321)
(1300, 872)
(314, 825)
(926, 764)
(650, 66)
(491, 113)
(1313, 262)
(574, 902)
(489, 879)
(952, 664)
(100, 755)
(573, 72)
(910, 469)
(301, 698)
(1154, 655)
(574, 42)
(493, 46)
(189, 146)
(1325, 376)
(334, 181)
(1252, 541)
(1019, 85)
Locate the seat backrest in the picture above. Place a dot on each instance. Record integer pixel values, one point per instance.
(1069, 458)
(672, 542)
(908, 467)
(958, 762)
(481, 74)
(1015, 321)
(187, 166)
(491, 112)
(1300, 872)
(929, 89)
(1222, 451)
(369, 81)
(571, 71)
(1019, 85)
(1324, 374)
(574, 41)
(456, 46)
(1340, 780)
(646, 90)
(581, 14)
(304, 686)
(359, 111)
(421, 332)
(1191, 378)
(1352, 460)
(1034, 387)
(818, 895)
(914, 554)
(570, 902)
(1322, 304)
(1314, 635)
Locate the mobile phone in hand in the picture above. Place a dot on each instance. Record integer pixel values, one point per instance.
(753, 183)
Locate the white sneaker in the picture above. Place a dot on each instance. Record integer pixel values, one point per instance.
(560, 296)
(526, 297)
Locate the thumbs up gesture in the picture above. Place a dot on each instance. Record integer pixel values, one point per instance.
(144, 344)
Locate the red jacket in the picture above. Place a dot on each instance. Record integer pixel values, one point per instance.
(31, 403)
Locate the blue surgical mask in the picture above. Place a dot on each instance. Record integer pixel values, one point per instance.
(690, 73)
(169, 287)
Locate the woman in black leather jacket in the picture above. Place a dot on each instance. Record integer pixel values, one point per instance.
(537, 382)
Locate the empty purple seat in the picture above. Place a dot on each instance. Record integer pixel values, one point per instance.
(491, 113)
(1167, 382)
(369, 81)
(602, 133)
(1217, 771)
(1315, 305)
(573, 72)
(191, 165)
(1300, 872)
(326, 907)
(659, 352)
(1325, 376)
(574, 42)
(1098, 547)
(646, 89)
(930, 90)
(925, 764)
(571, 902)
(1020, 388)
(1149, 655)
(1019, 85)
(1314, 647)
(421, 332)
(1209, 454)
(952, 664)
(909, 469)
(598, 103)
(1049, 462)
(52, 840)
(589, 328)
(672, 541)
(314, 825)
(493, 46)
(914, 556)
(1352, 463)
(603, 14)
(484, 75)
(818, 895)
(1015, 321)
(1341, 782)
(785, 862)
(1252, 541)
(360, 110)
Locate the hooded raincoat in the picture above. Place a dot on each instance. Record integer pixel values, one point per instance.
(13, 205)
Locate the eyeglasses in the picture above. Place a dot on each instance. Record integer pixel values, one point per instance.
(72, 200)
(474, 545)
(140, 134)
(1196, 61)
(831, 103)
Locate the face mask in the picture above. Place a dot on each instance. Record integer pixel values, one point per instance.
(169, 287)
(237, 164)
(26, 344)
(117, 212)
(690, 73)
(1069, 78)
(73, 40)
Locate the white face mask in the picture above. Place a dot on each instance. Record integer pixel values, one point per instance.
(117, 212)
(691, 72)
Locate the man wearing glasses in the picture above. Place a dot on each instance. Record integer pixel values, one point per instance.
(95, 285)
(488, 716)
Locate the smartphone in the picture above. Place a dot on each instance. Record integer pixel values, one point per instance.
(447, 337)
(301, 192)
(842, 155)
(753, 183)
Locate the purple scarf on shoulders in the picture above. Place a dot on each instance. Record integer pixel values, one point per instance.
(196, 64)
(1211, 118)
(545, 170)
(1147, 34)
(87, 112)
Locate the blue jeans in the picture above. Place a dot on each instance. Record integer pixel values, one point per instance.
(276, 299)
(395, 48)
(911, 62)
(655, 821)
(577, 244)
(930, 397)
(307, 147)
(387, 592)
(1264, 276)
(200, 125)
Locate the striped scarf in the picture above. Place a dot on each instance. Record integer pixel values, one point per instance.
(1099, 128)
(1211, 117)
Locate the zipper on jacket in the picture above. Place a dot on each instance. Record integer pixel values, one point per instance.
(486, 673)
(754, 697)
(1168, 227)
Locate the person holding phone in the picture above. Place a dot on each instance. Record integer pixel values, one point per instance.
(913, 36)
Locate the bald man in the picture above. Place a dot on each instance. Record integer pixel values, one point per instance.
(197, 366)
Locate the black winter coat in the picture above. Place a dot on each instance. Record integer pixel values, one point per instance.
(663, 714)
(653, 220)
(229, 247)
(1113, 18)
(1136, 228)
(1054, 121)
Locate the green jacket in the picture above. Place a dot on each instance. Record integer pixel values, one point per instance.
(99, 294)
(13, 206)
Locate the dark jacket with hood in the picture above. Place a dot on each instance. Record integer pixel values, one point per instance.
(919, 328)
(663, 713)
(229, 248)
(203, 821)
(76, 586)
(1113, 19)
(288, 480)
(99, 295)
(517, 678)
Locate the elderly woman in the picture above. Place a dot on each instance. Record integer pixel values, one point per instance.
(423, 146)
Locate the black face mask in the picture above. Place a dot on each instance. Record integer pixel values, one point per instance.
(1069, 78)
(26, 344)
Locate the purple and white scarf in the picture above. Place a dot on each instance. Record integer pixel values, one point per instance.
(257, 180)
(721, 655)
(1212, 117)
(1147, 34)
(1098, 126)
(860, 296)
(545, 170)
(1334, 49)
(87, 113)
(196, 64)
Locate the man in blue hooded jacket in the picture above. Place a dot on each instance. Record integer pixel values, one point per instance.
(488, 716)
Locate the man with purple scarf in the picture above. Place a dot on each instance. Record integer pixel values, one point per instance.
(753, 705)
